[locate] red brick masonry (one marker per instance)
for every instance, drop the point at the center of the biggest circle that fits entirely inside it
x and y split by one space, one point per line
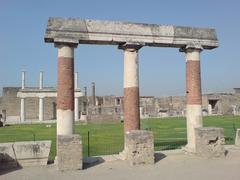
193 78
65 84
131 109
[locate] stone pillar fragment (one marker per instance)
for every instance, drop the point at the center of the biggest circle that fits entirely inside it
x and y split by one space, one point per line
131 87
237 138
193 94
70 155
22 110
93 94
210 142
76 80
140 147
41 109
209 109
65 89
41 80
76 108
76 99
23 79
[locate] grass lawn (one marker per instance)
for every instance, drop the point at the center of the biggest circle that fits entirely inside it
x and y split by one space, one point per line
107 138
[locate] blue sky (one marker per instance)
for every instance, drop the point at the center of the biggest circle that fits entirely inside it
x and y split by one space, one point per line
162 70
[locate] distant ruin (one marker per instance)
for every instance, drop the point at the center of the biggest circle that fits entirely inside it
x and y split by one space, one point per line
98 109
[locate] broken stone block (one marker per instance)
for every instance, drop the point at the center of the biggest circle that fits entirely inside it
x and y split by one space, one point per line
210 142
26 153
69 152
32 153
139 147
237 138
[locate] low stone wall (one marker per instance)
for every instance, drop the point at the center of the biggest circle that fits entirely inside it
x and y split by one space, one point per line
69 152
139 147
210 142
100 118
27 153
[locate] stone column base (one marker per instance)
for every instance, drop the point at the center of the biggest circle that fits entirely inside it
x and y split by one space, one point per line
139 147
69 152
188 150
237 138
210 142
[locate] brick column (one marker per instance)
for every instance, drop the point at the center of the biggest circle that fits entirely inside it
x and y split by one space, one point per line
193 95
131 87
65 89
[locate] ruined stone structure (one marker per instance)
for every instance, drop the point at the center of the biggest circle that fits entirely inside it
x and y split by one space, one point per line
22 104
210 142
25 153
66 34
72 159
110 108
140 147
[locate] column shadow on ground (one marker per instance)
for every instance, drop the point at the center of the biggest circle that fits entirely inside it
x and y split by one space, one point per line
92 161
159 156
8 164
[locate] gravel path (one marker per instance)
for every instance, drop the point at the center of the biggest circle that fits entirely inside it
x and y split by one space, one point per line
173 166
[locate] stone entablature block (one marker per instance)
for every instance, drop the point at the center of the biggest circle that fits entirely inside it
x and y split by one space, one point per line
85 31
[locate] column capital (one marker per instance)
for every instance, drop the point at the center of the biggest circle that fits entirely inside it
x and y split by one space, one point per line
69 44
191 47
131 46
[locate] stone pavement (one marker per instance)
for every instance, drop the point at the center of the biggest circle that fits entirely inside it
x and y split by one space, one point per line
169 166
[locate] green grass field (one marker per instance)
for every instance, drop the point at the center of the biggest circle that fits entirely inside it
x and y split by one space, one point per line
107 138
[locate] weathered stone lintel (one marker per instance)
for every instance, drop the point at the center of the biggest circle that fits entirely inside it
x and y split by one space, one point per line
75 31
42 94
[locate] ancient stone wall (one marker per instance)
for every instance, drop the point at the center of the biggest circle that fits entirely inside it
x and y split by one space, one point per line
111 107
11 103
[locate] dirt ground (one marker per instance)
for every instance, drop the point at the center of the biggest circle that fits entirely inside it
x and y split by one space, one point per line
169 166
